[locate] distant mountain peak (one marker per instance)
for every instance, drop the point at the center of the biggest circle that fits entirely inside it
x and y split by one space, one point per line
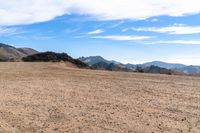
163 64
10 53
91 60
5 45
159 66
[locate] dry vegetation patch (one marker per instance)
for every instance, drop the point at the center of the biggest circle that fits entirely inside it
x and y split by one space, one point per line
58 97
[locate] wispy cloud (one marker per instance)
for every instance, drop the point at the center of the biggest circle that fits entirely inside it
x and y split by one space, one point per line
175 29
9 31
35 37
42 37
98 9
123 38
69 31
176 42
95 32
117 24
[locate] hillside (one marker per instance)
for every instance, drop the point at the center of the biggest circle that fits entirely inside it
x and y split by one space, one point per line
10 53
99 62
27 51
54 57
93 60
163 65
109 66
155 69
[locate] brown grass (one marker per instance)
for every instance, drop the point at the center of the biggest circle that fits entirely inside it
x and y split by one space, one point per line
53 97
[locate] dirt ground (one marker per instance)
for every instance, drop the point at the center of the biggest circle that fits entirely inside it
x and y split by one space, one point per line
55 97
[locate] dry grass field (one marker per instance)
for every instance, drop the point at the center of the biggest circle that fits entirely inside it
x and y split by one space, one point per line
58 97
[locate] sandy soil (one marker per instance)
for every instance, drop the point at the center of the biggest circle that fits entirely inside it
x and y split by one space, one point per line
53 97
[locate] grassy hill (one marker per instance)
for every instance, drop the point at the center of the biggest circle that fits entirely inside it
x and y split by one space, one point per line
54 57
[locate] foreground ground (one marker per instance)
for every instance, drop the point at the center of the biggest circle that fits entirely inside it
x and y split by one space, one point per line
55 97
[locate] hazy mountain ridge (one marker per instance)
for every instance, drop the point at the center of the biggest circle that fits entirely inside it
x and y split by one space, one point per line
109 66
91 60
161 67
191 70
10 53
156 69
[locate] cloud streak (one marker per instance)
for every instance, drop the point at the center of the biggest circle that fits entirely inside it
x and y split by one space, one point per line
99 31
173 30
123 38
33 11
177 42
7 31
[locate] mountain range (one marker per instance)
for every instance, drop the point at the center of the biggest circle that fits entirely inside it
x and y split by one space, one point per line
10 53
99 62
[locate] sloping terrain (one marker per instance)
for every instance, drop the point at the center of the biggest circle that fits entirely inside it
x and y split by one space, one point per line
191 70
93 60
8 52
55 97
54 57
163 65
109 66
27 51
149 67
155 69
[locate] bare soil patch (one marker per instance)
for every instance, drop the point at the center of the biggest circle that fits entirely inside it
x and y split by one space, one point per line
58 97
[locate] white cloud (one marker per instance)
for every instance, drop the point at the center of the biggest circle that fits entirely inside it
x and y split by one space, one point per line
117 24
123 38
95 32
7 31
16 12
154 20
177 42
175 29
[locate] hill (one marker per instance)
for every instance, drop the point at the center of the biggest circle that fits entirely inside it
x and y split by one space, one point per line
10 53
190 70
54 57
109 66
27 51
98 62
155 69
93 60
163 65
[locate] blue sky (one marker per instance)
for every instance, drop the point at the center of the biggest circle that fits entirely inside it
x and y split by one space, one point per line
170 36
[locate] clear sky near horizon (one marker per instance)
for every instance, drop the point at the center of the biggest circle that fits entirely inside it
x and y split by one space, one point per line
128 31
